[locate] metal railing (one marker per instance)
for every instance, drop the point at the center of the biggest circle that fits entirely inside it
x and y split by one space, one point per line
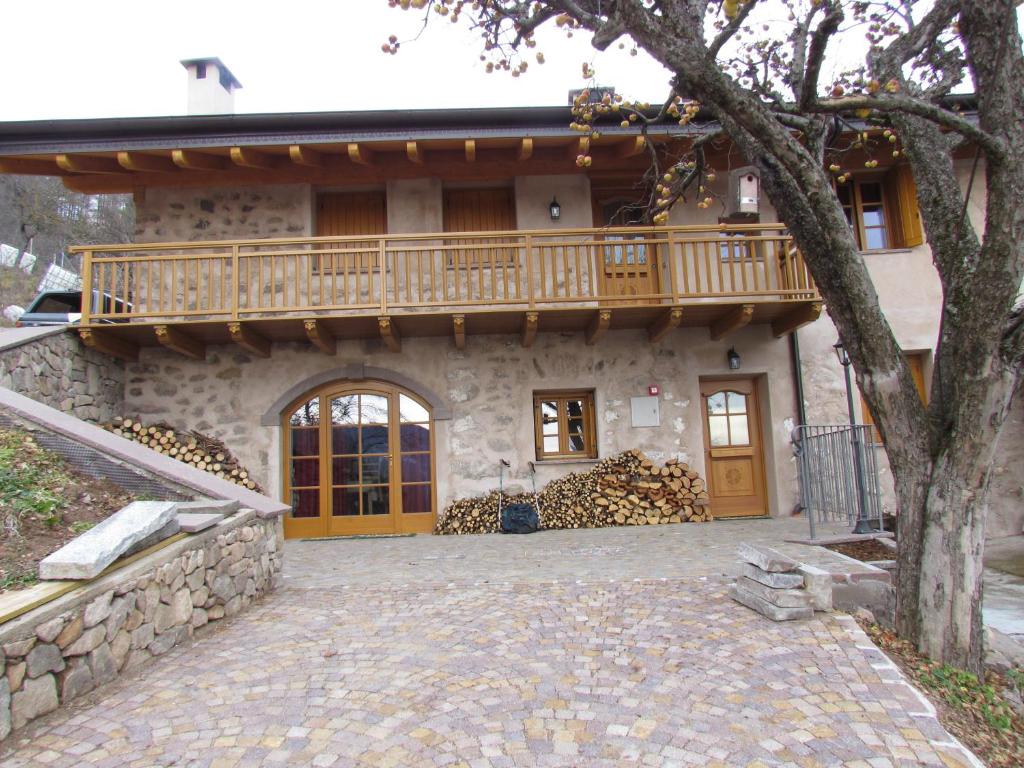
237 279
838 471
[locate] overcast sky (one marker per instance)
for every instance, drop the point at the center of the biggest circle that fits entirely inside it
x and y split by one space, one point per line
119 58
69 58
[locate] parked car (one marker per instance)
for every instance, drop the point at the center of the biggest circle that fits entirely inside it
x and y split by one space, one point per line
64 307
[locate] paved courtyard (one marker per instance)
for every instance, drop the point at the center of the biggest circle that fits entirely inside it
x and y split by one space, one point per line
572 648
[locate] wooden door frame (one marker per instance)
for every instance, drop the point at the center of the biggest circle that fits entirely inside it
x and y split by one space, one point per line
324 524
753 381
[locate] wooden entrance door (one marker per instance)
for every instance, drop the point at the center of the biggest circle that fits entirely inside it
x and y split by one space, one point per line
358 460
629 265
480 210
733 451
351 213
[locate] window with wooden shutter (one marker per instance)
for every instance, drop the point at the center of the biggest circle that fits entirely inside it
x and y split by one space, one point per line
915 360
346 214
882 209
480 210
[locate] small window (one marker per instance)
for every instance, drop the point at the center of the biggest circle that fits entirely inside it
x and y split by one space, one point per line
564 424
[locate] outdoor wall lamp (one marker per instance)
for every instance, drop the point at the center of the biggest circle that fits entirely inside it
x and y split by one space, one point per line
857 443
556 209
734 359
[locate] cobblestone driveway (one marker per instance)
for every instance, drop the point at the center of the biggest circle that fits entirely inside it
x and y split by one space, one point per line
377 653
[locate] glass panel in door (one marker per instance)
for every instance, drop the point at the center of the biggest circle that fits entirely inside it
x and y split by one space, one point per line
360 457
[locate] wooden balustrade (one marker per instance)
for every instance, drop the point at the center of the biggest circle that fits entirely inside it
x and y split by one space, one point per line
398 274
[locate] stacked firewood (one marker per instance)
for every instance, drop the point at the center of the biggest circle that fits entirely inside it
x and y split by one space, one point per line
191 447
628 489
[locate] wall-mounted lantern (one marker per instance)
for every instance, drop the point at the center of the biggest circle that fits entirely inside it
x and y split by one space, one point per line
734 359
556 209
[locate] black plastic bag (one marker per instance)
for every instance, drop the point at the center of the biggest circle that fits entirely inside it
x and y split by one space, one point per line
519 518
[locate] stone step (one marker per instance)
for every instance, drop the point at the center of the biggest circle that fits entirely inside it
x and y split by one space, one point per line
221 507
194 522
784 598
818 585
766 609
766 558
85 556
773 580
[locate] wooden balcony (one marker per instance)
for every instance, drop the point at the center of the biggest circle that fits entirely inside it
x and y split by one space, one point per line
254 292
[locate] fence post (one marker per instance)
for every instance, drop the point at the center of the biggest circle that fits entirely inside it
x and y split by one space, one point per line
87 303
236 279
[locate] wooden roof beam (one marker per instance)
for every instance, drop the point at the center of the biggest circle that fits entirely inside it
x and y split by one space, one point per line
579 147
84 164
246 157
389 333
459 331
598 326
180 342
633 146
249 340
470 150
802 315
30 166
525 149
321 337
412 151
358 153
305 156
197 161
731 321
660 327
138 163
530 322
103 342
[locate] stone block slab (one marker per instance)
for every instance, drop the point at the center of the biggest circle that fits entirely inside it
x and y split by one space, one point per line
194 522
222 507
774 580
766 558
784 598
85 556
766 609
154 538
818 585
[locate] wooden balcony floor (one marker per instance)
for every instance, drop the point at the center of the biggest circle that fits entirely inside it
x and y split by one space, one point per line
190 335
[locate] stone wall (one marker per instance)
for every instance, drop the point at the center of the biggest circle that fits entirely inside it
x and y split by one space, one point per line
488 389
232 213
120 622
52 365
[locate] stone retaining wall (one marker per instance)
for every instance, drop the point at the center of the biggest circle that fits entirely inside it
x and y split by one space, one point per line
52 366
120 622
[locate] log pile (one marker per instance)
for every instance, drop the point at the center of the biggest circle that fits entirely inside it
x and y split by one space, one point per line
191 447
628 489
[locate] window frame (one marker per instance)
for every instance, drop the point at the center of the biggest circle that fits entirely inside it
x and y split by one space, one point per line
561 398
857 207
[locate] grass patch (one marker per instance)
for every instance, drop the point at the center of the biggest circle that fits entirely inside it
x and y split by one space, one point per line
44 503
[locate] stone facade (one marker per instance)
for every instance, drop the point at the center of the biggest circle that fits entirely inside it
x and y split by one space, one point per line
488 389
52 365
120 622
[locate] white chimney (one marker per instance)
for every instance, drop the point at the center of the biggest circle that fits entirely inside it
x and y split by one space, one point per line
211 87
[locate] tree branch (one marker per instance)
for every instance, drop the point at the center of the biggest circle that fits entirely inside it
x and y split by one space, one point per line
730 29
816 55
993 146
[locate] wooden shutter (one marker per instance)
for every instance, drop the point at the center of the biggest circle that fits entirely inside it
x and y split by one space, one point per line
915 361
480 210
901 202
352 213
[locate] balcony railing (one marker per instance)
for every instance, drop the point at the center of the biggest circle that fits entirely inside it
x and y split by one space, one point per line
399 274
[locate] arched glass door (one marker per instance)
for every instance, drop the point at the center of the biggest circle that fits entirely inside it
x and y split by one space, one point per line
358 460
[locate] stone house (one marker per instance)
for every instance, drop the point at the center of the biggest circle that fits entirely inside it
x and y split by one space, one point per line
373 308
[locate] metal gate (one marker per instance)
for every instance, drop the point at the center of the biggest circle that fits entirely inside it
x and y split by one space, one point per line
838 470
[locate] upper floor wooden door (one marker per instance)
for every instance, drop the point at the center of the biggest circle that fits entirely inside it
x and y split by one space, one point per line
628 266
347 214
734 457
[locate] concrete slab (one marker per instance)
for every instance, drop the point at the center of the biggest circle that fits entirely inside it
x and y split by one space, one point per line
193 522
88 554
766 609
773 580
766 558
166 532
784 598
